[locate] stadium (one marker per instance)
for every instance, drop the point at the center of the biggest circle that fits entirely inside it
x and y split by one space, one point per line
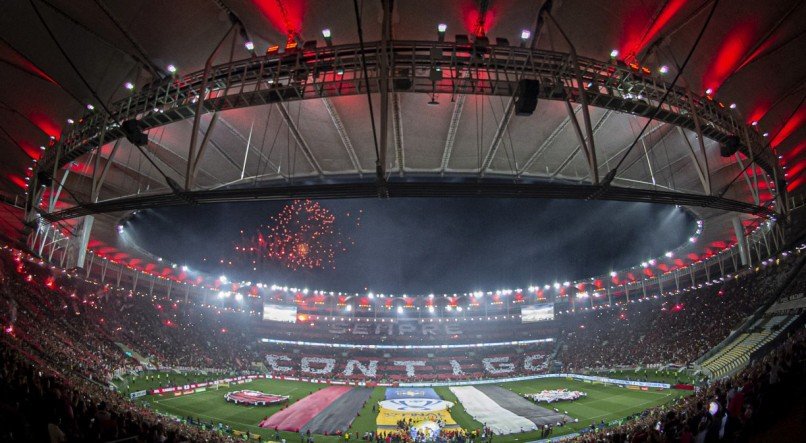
448 221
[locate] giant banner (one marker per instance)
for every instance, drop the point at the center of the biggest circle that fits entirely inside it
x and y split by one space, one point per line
280 364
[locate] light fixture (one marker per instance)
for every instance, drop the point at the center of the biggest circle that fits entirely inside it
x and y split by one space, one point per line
614 53
184 268
525 34
613 273
709 91
172 69
400 309
754 123
249 45
223 279
326 34
663 69
128 85
766 134
441 28
70 121
90 107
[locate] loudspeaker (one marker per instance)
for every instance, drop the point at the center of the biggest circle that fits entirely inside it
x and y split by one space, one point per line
134 132
730 146
43 178
526 101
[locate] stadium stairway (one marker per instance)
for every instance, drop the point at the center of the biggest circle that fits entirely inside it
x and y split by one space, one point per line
134 354
753 320
736 355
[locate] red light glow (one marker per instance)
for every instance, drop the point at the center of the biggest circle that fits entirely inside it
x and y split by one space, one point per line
729 55
634 39
285 16
789 127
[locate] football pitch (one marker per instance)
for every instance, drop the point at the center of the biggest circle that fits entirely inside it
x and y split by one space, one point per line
603 402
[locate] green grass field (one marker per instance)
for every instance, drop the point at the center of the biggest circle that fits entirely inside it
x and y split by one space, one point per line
671 377
158 379
602 403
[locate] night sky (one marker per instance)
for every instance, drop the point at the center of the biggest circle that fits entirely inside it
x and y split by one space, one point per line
418 246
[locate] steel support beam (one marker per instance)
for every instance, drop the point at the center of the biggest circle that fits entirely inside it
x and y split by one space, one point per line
98 182
468 188
453 128
503 124
582 144
201 98
590 146
342 131
698 167
397 133
301 143
701 141
549 140
196 161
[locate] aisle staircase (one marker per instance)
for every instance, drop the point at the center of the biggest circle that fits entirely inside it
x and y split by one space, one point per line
131 353
736 355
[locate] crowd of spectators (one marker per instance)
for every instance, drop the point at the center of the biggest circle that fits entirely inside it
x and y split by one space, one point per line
673 330
731 409
63 338
43 402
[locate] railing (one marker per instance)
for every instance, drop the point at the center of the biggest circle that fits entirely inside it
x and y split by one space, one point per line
426 67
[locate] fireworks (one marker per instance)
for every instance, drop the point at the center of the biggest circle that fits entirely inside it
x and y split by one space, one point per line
303 235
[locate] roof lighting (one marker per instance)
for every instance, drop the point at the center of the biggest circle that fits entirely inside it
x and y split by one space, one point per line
90 107
249 45
732 106
128 85
525 34
172 69
326 33
442 27
70 121
614 53
663 69
709 91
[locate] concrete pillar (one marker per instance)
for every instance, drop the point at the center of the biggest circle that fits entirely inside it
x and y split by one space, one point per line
79 242
738 230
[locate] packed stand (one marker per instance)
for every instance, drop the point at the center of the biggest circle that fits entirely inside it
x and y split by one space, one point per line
677 330
732 409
